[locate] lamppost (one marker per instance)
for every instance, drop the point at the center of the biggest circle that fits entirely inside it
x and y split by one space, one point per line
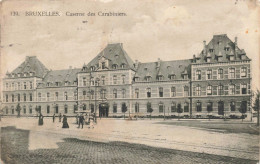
96 85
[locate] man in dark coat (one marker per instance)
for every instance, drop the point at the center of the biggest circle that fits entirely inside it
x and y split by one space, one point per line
40 119
65 122
81 120
53 117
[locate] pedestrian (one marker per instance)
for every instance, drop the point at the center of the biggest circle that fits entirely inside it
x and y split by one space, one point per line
40 122
60 117
65 122
81 121
53 117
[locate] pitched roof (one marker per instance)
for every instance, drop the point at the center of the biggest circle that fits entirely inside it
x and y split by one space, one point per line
115 54
165 69
31 65
216 49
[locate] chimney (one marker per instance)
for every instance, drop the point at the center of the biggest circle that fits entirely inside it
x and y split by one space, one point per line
136 64
204 46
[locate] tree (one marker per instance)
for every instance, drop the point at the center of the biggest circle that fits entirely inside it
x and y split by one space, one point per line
124 109
243 109
256 104
209 108
18 109
179 110
149 109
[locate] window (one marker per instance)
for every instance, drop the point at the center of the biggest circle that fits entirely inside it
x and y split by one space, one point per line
160 92
198 91
173 107
6 86
103 94
185 77
199 108
31 85
56 96
148 78
75 108
12 86
198 75
92 82
48 96
232 89
6 111
136 108
103 65
220 73
18 97
226 49
149 107
24 85
39 96
92 68
148 92
65 95
172 77
12 110
123 93
243 72
84 81
173 91
231 72
57 83
209 74
115 108
160 78
115 93
30 109
48 84
24 97
136 79
210 50
161 108
244 88
123 79
91 94
66 109
209 90
114 79
232 106
48 109
186 91
220 90
186 107
30 96
114 66
12 98
103 80
209 106
57 109
6 98
123 65
136 93
24 109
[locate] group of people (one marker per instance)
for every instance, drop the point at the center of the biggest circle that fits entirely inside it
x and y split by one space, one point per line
80 119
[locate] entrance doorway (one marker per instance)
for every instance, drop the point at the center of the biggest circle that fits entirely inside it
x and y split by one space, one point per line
220 108
103 110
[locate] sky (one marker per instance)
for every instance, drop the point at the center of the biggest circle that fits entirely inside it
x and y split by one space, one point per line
165 29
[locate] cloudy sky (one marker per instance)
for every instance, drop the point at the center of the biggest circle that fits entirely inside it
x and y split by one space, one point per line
166 29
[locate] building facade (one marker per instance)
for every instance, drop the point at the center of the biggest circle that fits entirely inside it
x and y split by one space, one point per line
216 82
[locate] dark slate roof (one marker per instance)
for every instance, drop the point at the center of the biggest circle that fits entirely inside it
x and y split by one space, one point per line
218 44
164 69
110 52
60 76
31 65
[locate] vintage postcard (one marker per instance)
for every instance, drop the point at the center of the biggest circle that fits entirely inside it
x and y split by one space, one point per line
129 81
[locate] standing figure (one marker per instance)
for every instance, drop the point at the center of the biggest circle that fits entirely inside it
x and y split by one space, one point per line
65 122
40 119
53 117
60 117
81 120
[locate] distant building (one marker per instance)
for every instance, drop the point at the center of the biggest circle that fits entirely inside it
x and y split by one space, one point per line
215 82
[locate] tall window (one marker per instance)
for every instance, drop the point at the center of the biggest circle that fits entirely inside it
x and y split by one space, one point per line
66 109
84 94
84 81
136 108
92 108
160 92
12 98
6 98
232 106
103 94
114 66
244 88
198 75
6 86
186 91
231 72
24 109
48 109
39 96
220 73
24 85
173 107
220 90
56 96
19 85
103 80
91 94
57 109
243 72
115 93
18 97
123 79
115 108
232 89
198 90
123 93
30 96
31 85
186 107
199 108
161 108
148 92
209 90
114 79
30 109
65 95
209 106
103 65
24 97
209 74
136 93
173 91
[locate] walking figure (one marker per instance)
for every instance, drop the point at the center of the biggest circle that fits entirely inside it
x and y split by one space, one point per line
53 117
81 121
40 119
60 117
65 122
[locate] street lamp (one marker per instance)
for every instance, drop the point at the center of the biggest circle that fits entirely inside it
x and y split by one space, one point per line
96 83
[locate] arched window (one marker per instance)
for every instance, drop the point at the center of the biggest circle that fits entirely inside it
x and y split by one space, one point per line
148 92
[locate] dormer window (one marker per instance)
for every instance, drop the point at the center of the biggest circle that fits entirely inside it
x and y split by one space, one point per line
208 60
66 83
226 49
123 65
145 69
185 77
137 79
148 78
231 58
160 78
211 50
114 66
103 65
57 83
92 68
48 84
116 56
19 74
172 77
24 74
243 57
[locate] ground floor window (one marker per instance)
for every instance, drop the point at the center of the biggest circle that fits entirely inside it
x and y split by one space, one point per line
24 109
136 108
75 108
173 107
160 108
57 109
232 106
115 108
92 108
6 110
30 110
186 107
65 109
209 106
199 108
48 109
12 111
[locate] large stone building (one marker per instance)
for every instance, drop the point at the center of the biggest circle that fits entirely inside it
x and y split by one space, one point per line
216 82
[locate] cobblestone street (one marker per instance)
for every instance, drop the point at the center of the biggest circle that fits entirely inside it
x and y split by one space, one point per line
29 143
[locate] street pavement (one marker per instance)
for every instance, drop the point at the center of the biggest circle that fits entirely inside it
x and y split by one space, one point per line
195 142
